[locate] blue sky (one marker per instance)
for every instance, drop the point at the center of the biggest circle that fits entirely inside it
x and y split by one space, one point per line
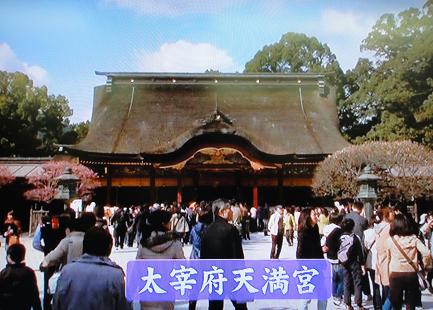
61 43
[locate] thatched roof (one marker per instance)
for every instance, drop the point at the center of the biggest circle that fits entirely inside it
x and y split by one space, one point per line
152 113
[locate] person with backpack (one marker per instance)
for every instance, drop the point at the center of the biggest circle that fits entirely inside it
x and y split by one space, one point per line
351 256
361 224
179 224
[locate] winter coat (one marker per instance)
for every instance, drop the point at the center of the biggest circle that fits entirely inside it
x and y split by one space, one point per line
69 249
195 238
91 283
309 243
221 240
370 248
382 264
333 243
411 245
18 288
160 245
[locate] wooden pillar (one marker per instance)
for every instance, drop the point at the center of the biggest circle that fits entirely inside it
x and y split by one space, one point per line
179 188
255 193
109 172
152 185
280 186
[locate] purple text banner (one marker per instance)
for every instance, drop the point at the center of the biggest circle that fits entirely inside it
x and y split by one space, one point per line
235 279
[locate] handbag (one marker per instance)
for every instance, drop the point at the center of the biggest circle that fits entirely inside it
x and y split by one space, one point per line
423 283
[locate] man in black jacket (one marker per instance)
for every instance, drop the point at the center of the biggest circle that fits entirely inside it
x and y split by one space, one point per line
18 287
361 223
222 241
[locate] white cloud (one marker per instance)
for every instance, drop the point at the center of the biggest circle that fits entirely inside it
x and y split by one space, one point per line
10 62
346 23
175 7
344 32
184 56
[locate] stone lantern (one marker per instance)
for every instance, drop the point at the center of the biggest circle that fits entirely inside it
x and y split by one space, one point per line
367 190
67 185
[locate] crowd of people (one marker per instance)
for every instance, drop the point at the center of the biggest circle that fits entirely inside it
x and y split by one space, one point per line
379 257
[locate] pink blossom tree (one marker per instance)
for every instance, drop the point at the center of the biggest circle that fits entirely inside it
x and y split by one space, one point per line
405 168
5 176
45 183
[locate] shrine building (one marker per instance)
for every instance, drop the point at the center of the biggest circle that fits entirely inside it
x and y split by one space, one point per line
164 137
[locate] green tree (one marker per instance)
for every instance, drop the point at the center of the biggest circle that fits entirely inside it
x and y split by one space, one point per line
392 99
296 52
357 119
74 133
31 120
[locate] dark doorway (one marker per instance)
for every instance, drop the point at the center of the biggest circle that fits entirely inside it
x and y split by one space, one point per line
209 193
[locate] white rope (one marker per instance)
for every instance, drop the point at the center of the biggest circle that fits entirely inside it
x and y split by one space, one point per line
132 100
